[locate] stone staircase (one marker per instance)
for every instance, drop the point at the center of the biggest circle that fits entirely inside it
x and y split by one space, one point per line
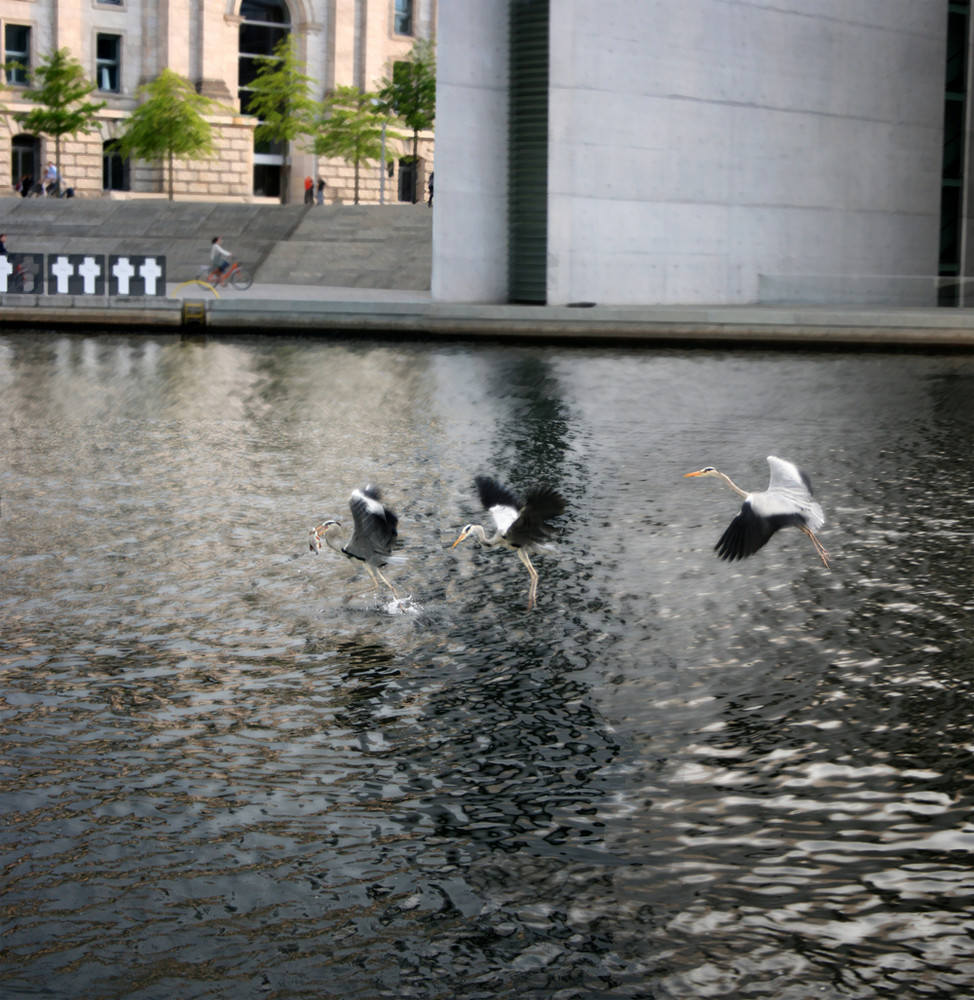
360 246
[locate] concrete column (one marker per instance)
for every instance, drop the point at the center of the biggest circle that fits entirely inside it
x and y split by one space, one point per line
470 218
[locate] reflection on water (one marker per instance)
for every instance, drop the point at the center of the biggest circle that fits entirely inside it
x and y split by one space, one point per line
676 778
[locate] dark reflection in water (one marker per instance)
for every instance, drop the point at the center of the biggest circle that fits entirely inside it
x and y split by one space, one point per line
229 774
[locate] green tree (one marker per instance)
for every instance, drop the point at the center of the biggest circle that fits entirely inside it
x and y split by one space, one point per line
280 97
59 89
411 92
351 127
169 123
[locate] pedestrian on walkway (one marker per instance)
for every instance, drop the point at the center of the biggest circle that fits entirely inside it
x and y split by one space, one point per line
309 196
321 191
50 180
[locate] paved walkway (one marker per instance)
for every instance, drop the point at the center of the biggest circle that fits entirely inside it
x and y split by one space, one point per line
309 309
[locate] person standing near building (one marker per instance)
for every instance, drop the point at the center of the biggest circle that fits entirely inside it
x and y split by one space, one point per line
50 180
321 191
309 195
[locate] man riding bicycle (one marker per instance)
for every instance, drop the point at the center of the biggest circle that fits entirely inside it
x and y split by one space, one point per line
220 258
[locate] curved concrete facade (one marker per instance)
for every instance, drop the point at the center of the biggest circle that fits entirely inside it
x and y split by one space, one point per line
698 149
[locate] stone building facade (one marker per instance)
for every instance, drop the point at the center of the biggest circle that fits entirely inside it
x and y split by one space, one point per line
123 44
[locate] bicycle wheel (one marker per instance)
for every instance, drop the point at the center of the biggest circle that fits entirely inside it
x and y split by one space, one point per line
204 275
241 279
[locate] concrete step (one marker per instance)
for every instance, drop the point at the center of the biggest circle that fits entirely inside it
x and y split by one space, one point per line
361 246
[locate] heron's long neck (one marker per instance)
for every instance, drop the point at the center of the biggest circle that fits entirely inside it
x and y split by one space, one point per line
333 538
730 482
496 539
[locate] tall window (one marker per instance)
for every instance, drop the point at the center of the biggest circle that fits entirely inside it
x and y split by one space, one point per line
108 59
16 49
265 23
25 158
114 169
403 20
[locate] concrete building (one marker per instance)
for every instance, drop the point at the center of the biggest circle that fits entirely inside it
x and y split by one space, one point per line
123 44
703 151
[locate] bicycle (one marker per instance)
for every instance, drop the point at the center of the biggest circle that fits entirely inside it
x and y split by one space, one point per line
236 275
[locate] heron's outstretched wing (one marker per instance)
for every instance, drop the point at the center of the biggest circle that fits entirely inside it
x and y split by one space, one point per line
375 529
503 504
790 489
531 525
750 531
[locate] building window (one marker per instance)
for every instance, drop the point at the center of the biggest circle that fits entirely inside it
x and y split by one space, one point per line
16 49
108 61
265 24
25 160
403 20
115 169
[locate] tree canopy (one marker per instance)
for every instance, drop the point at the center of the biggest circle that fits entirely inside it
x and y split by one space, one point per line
280 97
59 89
411 91
169 123
351 127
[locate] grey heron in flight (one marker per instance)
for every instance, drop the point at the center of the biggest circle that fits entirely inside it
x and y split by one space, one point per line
373 534
786 501
521 525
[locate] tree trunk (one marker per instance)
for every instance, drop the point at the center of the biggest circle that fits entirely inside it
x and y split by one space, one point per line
415 163
170 175
286 173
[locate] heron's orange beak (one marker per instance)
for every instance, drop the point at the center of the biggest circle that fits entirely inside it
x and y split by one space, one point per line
463 535
687 475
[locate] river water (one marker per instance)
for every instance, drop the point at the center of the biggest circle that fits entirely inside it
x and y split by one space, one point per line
231 772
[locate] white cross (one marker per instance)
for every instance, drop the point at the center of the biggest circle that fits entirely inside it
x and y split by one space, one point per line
62 269
150 272
123 270
89 270
6 269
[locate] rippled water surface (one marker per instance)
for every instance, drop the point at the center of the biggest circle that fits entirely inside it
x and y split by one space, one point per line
229 772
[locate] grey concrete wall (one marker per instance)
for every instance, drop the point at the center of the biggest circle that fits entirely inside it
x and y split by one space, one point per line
470 227
698 146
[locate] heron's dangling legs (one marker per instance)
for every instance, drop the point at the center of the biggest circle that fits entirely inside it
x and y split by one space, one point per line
533 591
375 573
819 547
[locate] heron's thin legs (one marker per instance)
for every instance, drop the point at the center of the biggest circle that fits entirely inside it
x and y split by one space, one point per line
819 547
533 590
376 573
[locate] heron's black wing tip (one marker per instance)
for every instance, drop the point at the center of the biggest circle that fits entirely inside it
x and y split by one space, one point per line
749 532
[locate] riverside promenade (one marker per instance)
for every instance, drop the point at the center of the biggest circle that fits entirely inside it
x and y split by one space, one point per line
364 271
342 311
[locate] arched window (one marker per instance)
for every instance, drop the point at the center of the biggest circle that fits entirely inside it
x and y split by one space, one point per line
25 160
265 23
114 169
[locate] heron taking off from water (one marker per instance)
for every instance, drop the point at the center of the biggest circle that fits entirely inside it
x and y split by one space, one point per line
373 534
786 501
521 525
